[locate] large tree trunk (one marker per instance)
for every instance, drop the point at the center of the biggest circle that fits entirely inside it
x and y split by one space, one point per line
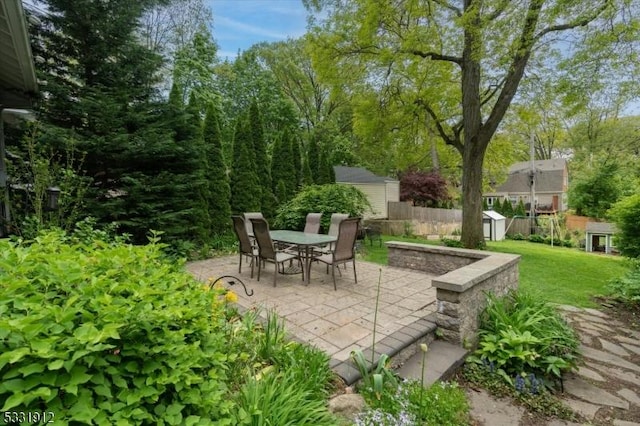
472 231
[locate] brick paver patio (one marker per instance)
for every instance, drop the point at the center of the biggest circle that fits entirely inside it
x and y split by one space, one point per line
335 321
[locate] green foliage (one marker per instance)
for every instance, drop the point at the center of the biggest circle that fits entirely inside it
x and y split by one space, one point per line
520 334
267 201
245 186
593 193
507 208
325 199
497 206
108 333
520 211
485 205
276 398
282 168
219 190
450 242
518 237
536 238
626 289
625 214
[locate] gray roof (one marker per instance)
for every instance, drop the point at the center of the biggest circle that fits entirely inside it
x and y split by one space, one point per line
358 175
549 176
601 228
17 72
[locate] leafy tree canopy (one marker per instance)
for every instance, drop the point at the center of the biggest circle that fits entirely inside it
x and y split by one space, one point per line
428 189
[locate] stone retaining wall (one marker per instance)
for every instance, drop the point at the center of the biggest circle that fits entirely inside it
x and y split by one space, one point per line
463 277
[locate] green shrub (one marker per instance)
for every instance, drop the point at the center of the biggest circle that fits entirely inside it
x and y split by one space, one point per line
625 214
518 236
108 333
536 238
325 199
626 289
449 242
521 334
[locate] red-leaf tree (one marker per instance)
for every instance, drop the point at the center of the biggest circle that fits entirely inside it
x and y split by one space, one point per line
427 189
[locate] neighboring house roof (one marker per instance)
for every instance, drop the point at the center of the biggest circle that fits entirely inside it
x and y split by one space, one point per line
549 176
600 228
17 72
358 175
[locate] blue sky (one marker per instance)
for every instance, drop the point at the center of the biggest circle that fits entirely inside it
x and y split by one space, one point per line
238 24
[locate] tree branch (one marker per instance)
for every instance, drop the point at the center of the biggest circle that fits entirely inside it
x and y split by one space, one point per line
498 11
453 141
580 21
432 55
449 6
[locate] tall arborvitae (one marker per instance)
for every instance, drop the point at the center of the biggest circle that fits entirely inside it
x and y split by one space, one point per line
326 174
199 184
100 82
246 191
313 158
219 191
297 160
282 166
307 178
267 201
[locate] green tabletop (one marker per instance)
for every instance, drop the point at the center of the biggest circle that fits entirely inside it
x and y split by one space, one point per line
300 238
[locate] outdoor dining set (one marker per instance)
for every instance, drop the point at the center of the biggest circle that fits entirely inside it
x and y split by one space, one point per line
259 244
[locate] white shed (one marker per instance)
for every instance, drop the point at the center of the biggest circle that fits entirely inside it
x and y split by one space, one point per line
494 225
380 190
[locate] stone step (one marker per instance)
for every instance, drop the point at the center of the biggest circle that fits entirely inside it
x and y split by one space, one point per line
442 360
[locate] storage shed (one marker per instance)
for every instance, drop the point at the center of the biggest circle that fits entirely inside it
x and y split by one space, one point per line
380 190
494 225
599 237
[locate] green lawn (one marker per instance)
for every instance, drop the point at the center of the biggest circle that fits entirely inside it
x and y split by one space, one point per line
558 274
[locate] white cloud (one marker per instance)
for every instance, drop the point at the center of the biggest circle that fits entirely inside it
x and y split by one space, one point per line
222 22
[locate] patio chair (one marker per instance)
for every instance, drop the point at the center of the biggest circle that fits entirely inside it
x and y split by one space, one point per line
336 219
312 225
267 250
344 250
247 221
246 247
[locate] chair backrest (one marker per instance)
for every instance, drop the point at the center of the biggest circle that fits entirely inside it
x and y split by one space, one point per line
312 224
265 243
334 227
247 220
241 232
347 233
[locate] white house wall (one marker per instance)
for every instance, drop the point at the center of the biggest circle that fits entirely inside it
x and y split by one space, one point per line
375 193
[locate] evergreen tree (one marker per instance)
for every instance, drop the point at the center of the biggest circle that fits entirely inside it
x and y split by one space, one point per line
99 83
282 166
199 184
485 204
326 174
307 178
246 191
281 192
497 206
507 208
297 161
313 159
267 201
219 191
520 210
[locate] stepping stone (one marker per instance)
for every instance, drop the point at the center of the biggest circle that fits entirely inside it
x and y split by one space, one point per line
632 333
589 326
608 358
586 339
632 348
617 422
569 308
596 312
584 408
591 318
618 374
613 348
590 374
490 411
557 422
628 340
630 396
579 388
594 333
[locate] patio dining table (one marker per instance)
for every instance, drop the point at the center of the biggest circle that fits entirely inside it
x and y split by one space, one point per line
305 243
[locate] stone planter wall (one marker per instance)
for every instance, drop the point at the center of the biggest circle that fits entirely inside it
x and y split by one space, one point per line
463 277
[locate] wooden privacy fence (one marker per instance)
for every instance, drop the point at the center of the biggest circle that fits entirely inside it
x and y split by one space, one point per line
404 211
